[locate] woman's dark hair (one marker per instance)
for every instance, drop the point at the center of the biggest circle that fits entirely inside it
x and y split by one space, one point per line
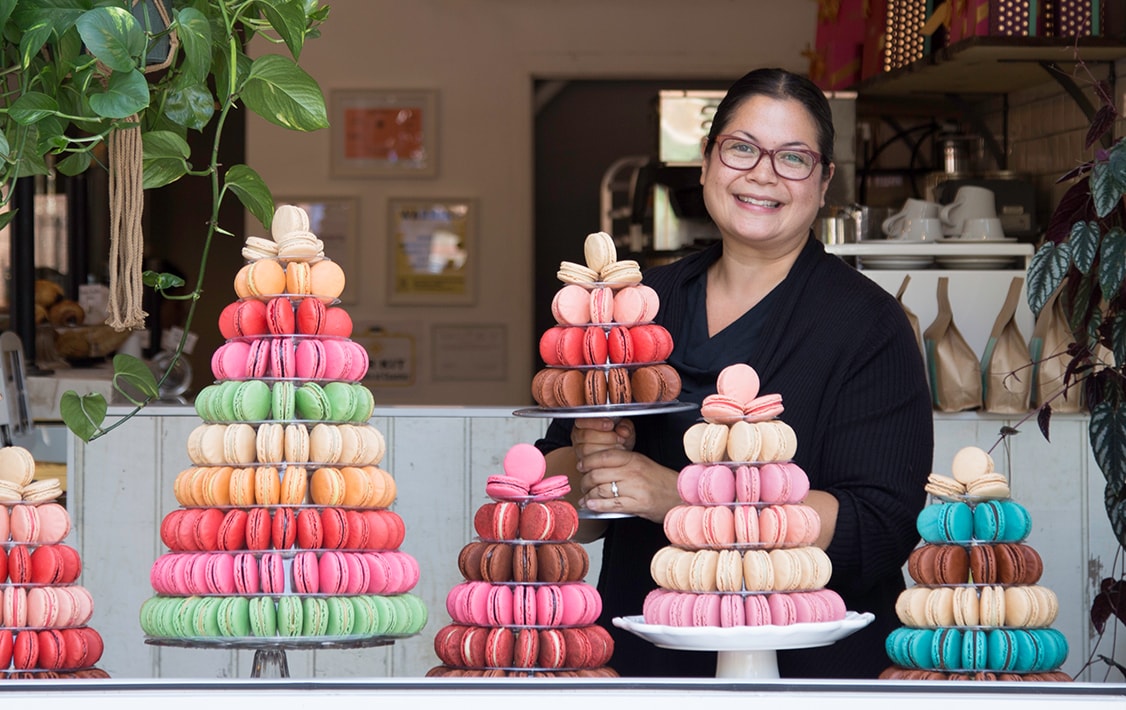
778 84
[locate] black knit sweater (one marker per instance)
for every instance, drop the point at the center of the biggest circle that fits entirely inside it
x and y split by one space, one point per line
840 351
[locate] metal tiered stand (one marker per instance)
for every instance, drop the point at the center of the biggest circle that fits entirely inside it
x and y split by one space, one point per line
270 659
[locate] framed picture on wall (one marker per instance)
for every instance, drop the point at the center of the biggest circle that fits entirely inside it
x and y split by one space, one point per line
335 221
382 133
433 251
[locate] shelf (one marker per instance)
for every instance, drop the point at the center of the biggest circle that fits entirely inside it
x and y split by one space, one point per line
989 65
946 247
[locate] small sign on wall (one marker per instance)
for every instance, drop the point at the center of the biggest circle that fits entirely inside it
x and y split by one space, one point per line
392 358
469 353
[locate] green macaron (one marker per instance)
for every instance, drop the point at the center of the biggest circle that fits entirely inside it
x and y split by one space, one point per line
365 406
312 403
263 617
290 616
204 401
416 610
341 616
386 613
207 616
364 616
183 622
281 407
223 403
251 402
234 616
315 611
150 616
342 401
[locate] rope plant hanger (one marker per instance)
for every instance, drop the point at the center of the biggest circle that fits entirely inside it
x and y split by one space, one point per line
127 205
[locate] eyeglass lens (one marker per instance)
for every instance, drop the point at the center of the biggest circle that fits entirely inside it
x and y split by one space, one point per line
743 155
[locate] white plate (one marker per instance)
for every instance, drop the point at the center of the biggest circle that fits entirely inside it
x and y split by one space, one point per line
745 638
895 261
971 261
959 240
585 514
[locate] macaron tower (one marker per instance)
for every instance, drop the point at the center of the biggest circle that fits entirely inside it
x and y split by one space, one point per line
285 532
741 551
44 612
605 349
975 611
524 609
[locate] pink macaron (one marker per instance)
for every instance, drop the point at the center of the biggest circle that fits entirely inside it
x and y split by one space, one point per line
258 359
739 381
601 305
748 484
309 359
582 605
721 409
635 305
229 360
359 363
763 408
282 355
337 356
571 305
550 488
716 485
525 462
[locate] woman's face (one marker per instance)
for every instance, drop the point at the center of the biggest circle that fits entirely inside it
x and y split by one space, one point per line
756 206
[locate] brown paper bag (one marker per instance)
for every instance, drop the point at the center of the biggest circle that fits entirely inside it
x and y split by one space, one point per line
1006 364
911 317
1051 337
952 366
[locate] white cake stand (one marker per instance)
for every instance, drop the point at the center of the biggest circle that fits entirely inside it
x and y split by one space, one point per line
745 652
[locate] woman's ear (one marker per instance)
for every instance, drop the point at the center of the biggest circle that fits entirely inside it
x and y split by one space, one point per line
830 171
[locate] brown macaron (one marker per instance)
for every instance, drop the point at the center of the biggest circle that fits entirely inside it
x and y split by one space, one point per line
496 562
569 388
543 387
596 388
525 564
618 386
1018 564
939 564
655 383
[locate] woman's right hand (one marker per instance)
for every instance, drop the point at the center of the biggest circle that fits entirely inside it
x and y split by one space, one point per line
598 434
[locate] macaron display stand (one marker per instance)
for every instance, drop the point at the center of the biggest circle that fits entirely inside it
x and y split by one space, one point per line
976 610
606 356
44 611
524 609
741 575
284 538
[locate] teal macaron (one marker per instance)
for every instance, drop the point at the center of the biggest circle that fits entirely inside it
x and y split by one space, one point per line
1001 521
1041 650
946 649
1002 650
974 650
290 616
911 648
946 522
263 615
251 402
312 403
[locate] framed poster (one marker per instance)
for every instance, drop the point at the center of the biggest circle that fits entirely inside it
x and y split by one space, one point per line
335 221
377 133
432 251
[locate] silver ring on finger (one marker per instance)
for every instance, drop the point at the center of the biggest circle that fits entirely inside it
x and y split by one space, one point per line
614 488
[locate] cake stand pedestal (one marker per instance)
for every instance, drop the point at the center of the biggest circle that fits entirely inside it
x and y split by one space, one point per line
745 652
270 659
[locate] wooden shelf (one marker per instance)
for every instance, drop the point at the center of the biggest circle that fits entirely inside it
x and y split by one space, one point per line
990 65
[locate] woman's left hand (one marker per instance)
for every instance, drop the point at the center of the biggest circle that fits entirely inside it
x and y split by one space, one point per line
620 481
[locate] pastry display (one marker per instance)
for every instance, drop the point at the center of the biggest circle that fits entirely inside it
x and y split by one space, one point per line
285 532
976 610
524 609
742 542
44 611
605 349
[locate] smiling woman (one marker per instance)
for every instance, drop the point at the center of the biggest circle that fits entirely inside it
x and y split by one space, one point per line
834 344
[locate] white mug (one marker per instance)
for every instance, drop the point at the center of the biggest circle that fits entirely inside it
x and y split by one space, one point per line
970 202
912 208
982 229
921 229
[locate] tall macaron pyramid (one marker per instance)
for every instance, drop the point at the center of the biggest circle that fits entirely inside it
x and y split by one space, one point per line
523 609
976 610
285 531
605 347
741 550
44 611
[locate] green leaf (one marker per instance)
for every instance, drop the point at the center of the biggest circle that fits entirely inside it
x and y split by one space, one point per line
1045 273
32 41
83 415
6 217
1112 262
75 163
1084 240
164 157
1118 337
284 94
133 371
1107 431
1106 190
251 190
31 107
195 39
114 36
162 281
190 105
126 93
287 17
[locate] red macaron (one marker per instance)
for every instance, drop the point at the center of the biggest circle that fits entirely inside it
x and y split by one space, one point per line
334 524
283 531
280 318
619 345
311 316
259 528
